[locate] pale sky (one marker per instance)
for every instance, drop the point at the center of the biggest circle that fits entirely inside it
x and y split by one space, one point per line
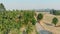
31 4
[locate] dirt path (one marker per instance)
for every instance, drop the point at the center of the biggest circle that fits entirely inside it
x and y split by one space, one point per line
41 30
39 27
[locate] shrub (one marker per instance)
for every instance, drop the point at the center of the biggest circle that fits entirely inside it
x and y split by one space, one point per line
40 16
55 21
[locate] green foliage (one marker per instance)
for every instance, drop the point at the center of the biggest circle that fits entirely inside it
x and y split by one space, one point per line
40 16
55 12
55 21
15 20
33 21
29 29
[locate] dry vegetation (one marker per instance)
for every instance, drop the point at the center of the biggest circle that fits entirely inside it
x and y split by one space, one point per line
46 23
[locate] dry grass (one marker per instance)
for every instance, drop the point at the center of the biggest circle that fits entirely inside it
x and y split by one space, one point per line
47 20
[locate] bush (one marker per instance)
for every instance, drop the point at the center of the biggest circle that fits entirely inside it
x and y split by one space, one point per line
40 16
33 21
55 21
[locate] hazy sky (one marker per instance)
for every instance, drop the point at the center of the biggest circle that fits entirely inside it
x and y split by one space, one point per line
31 4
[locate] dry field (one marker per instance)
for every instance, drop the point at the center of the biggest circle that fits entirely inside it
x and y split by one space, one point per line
46 23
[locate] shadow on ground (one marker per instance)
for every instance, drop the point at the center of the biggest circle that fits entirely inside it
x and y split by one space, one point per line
48 24
45 32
